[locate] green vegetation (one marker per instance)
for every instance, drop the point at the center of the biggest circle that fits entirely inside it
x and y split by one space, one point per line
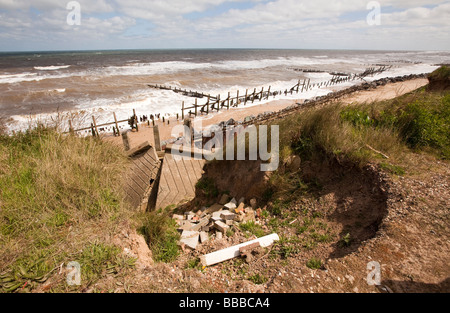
314 264
208 187
252 228
258 279
160 233
58 195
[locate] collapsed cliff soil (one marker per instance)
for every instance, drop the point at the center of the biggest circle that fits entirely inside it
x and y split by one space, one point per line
347 218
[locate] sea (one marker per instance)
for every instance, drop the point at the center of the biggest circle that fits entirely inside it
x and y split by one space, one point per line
48 86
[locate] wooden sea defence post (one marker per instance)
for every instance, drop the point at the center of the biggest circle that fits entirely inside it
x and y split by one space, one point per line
182 110
157 138
126 142
246 96
71 130
116 131
195 107
94 127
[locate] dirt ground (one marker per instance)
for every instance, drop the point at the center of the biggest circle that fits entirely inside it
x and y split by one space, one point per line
399 222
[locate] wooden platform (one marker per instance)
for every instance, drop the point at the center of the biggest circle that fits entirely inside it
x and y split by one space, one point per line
177 181
141 177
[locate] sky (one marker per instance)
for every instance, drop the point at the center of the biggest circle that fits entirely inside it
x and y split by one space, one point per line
42 25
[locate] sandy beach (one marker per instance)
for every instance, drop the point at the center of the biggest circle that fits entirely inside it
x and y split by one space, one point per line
145 132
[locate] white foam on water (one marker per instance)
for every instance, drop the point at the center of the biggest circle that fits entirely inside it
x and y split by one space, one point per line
51 68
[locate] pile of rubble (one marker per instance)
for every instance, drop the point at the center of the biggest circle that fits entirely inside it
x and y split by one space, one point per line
214 221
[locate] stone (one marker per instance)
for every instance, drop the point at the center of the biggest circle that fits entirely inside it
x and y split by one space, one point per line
214 208
224 199
219 235
249 215
185 225
241 200
221 226
189 215
190 238
230 206
253 203
178 217
202 223
204 237
227 215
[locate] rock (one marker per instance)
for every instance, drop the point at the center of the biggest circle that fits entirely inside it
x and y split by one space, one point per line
241 200
178 217
185 225
214 208
227 216
249 215
230 205
204 237
189 215
219 235
253 203
240 208
221 226
190 238
224 199
203 222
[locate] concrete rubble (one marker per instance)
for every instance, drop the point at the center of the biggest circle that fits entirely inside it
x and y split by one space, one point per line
200 225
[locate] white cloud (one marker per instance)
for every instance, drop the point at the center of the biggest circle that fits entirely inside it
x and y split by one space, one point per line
286 22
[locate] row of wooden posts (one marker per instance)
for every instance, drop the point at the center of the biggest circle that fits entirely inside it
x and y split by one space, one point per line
215 103
94 128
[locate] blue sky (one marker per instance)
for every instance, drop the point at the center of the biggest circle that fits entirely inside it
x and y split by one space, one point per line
165 24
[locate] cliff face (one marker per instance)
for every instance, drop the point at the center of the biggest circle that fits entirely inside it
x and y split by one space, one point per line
440 79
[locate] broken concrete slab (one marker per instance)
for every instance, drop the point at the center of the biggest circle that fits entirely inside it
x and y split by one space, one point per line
203 222
249 247
240 208
219 235
221 226
178 217
232 252
184 225
204 237
190 238
214 208
230 206
227 215
189 215
249 215
224 199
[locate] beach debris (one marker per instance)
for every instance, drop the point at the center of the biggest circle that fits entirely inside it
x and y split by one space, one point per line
190 238
234 251
213 221
224 199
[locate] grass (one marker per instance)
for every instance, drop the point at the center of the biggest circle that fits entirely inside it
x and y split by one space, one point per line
58 195
208 187
252 228
314 264
160 233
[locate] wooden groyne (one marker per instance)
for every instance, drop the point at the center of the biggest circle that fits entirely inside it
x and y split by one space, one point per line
214 103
